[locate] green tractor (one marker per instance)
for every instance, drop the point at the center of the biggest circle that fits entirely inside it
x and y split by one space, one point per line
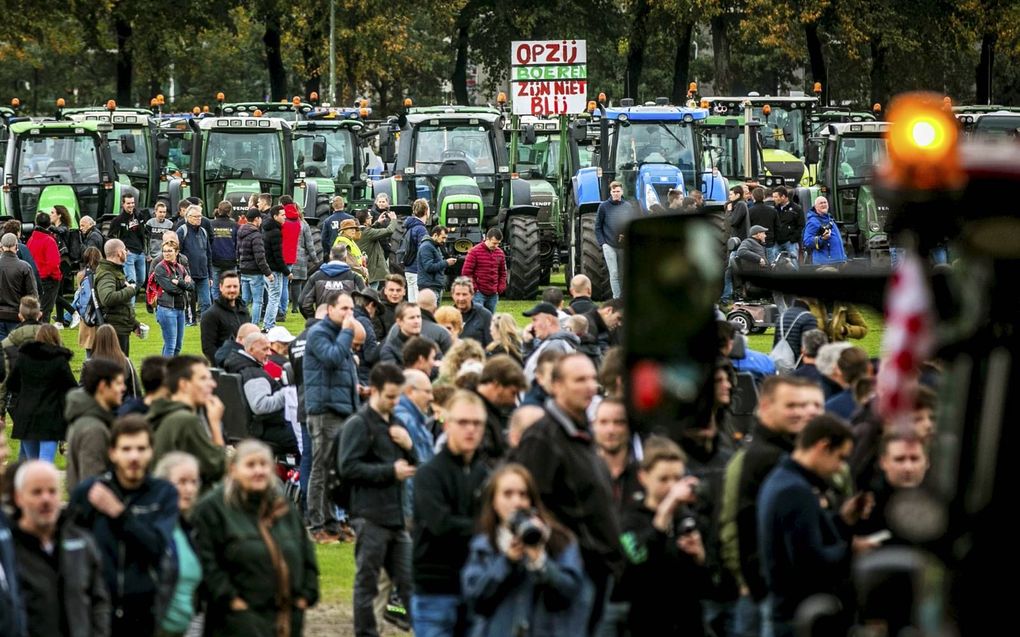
292 111
175 131
731 144
7 117
847 155
66 163
343 168
456 158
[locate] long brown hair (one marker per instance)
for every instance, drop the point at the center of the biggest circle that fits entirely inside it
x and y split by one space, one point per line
64 214
488 520
107 346
48 334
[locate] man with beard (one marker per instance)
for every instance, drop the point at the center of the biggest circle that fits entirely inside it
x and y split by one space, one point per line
225 316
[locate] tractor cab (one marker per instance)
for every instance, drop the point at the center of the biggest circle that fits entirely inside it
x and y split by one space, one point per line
233 158
848 155
996 125
7 117
66 163
726 146
290 111
137 156
331 149
967 116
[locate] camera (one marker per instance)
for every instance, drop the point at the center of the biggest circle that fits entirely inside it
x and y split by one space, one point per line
687 526
825 228
523 526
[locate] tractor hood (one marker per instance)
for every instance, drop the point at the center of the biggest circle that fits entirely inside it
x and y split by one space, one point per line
654 181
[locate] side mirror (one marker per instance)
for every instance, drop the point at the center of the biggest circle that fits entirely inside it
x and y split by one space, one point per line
528 136
163 149
578 131
811 153
732 129
386 150
788 133
127 144
319 151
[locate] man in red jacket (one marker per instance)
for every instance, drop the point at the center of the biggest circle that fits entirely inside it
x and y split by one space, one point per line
485 264
291 237
46 254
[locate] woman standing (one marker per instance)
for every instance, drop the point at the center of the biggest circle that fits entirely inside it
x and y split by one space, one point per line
60 228
173 279
107 345
89 262
181 470
39 384
506 338
305 264
518 582
259 565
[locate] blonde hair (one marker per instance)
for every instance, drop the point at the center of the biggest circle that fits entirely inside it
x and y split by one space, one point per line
461 352
507 335
451 315
232 493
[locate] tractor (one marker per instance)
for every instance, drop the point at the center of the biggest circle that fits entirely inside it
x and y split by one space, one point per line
292 111
59 162
847 155
137 155
651 149
996 124
456 158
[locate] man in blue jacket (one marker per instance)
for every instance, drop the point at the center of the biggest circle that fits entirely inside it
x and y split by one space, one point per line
805 547
610 221
822 240
132 516
331 224
431 263
414 228
196 245
331 396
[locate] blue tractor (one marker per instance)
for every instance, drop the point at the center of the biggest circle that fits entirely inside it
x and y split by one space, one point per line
651 149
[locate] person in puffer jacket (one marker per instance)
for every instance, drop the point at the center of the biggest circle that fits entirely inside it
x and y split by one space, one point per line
485 265
252 264
431 262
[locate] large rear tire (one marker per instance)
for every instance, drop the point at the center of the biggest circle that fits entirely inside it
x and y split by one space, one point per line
525 263
593 264
317 242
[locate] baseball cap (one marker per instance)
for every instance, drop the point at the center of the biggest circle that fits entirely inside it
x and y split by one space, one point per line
280 334
542 308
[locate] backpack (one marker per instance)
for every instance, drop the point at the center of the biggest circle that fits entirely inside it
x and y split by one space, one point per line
152 289
86 303
338 490
407 253
782 353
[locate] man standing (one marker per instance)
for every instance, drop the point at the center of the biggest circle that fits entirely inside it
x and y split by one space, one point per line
266 397
580 294
611 432
822 240
572 480
431 263
129 227
789 224
331 396
155 228
12 613
498 387
429 303
16 281
376 457
59 565
408 325
91 237
805 550
177 423
414 230
46 255
394 290
477 319
764 214
446 505
610 220
331 224
373 242
224 317
544 334
89 412
334 276
485 265
252 264
196 245
132 516
116 293
272 235
224 243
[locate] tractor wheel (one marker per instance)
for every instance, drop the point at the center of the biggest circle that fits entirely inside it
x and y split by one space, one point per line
395 240
317 243
742 320
592 263
525 266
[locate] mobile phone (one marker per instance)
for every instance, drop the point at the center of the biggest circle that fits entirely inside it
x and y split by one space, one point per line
880 537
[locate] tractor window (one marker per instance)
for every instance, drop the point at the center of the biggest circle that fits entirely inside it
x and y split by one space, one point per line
543 155
434 145
244 156
779 119
726 154
339 153
648 142
136 163
857 159
57 160
997 126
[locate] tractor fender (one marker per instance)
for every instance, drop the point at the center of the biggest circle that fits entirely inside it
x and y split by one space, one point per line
311 196
586 186
802 197
515 211
714 186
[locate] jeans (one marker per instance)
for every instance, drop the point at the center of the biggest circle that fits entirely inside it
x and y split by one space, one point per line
39 450
412 286
171 324
376 548
771 252
251 294
281 308
727 290
294 289
214 274
6 327
273 306
202 291
488 301
748 617
793 248
436 615
613 256
134 269
321 428
718 616
305 468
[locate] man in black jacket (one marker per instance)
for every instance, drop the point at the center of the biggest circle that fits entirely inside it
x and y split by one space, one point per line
221 321
572 480
476 318
762 213
789 224
265 395
502 380
580 295
129 227
334 276
252 264
445 506
376 456
60 588
16 281
91 237
272 236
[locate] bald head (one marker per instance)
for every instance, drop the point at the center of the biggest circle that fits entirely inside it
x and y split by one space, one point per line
580 285
246 330
522 418
427 300
418 388
115 251
257 346
37 495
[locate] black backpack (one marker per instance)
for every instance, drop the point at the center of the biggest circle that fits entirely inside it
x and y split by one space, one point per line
408 250
338 490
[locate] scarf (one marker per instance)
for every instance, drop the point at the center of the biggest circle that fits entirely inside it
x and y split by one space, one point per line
268 514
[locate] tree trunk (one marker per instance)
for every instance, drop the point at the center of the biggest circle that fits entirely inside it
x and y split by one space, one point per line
274 57
682 63
985 68
721 55
459 77
819 73
125 65
636 49
879 72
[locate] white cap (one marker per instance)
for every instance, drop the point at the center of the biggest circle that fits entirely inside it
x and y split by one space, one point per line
280 334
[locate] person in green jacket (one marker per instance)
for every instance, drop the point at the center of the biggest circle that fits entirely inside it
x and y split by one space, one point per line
176 422
117 296
372 241
259 565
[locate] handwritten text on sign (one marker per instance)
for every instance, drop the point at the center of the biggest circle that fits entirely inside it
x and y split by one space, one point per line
549 77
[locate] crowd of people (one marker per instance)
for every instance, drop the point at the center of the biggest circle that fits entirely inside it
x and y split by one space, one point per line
488 476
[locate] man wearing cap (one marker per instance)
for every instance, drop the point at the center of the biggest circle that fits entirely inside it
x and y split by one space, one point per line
350 232
751 253
543 334
280 339
334 276
227 313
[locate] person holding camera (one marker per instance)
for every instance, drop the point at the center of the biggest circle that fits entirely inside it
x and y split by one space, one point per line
822 241
524 574
665 575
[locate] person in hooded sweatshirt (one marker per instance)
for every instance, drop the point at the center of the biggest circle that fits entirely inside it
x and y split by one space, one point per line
333 276
252 264
415 229
39 383
291 238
